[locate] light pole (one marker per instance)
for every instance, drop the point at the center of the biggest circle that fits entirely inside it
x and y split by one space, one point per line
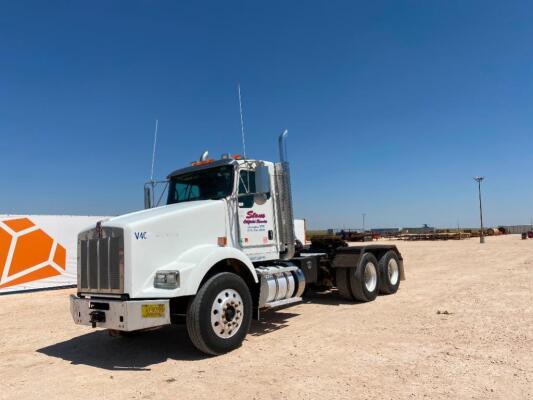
363 221
478 179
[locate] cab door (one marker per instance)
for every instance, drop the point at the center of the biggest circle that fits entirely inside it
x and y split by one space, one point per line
256 219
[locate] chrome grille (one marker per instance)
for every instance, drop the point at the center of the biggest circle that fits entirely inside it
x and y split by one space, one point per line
101 261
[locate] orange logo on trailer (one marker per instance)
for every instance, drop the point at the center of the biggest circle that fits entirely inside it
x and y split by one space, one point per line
28 253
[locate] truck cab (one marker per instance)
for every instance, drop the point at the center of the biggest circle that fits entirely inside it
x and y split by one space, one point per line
234 181
219 250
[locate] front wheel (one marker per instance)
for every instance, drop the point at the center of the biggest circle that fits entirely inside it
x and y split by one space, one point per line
219 316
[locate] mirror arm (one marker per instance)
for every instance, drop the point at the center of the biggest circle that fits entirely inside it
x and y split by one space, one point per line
147 197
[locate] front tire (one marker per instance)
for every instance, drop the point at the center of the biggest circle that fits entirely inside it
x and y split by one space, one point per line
219 316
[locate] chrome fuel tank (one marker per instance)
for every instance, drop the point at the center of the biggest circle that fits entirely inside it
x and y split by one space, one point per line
280 284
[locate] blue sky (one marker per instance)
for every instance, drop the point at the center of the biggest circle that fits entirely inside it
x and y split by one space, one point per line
392 107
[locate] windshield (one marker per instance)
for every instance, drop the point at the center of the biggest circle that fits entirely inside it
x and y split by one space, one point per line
209 184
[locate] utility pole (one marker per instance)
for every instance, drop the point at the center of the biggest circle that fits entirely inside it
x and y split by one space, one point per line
363 221
479 179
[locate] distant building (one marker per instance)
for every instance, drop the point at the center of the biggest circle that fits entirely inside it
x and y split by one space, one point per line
423 229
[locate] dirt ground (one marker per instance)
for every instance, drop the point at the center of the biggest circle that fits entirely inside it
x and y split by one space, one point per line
397 347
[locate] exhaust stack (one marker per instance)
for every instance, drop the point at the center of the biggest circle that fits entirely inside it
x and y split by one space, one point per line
283 146
284 201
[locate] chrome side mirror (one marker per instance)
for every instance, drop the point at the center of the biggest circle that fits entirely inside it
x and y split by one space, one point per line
262 180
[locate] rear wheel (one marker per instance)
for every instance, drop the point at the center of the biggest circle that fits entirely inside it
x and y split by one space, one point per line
361 282
389 270
219 316
364 281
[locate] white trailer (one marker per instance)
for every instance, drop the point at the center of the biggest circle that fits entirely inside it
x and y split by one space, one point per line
222 249
300 231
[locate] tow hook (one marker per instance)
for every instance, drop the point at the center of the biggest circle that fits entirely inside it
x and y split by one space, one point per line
97 316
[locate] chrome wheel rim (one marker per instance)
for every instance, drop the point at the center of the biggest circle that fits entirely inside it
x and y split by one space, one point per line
370 276
394 271
227 313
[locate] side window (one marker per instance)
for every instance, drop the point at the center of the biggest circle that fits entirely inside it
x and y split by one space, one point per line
246 185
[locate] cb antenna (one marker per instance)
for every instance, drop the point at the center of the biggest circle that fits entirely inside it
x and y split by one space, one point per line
152 182
242 121
153 152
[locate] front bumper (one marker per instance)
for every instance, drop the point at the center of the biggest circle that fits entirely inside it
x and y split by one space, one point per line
120 315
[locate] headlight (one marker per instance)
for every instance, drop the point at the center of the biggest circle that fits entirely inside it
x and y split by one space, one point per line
167 279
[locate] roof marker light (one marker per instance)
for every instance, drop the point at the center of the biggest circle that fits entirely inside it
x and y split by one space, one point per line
204 162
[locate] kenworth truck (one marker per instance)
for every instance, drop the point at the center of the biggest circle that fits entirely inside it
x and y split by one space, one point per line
218 253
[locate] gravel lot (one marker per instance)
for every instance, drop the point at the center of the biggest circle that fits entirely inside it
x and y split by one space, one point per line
461 327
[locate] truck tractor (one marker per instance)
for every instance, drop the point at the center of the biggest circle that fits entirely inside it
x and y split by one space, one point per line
220 252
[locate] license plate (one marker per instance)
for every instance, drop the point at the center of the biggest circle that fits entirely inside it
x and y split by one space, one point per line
152 310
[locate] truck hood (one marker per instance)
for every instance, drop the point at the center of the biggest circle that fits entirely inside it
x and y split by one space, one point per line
153 214
156 239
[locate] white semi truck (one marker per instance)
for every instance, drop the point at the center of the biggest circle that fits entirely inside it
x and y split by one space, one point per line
219 252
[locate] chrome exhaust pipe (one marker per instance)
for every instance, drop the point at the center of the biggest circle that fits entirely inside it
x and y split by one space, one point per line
284 201
283 146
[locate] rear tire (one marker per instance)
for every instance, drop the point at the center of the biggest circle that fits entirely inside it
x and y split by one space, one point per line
343 287
360 283
389 271
219 316
364 279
